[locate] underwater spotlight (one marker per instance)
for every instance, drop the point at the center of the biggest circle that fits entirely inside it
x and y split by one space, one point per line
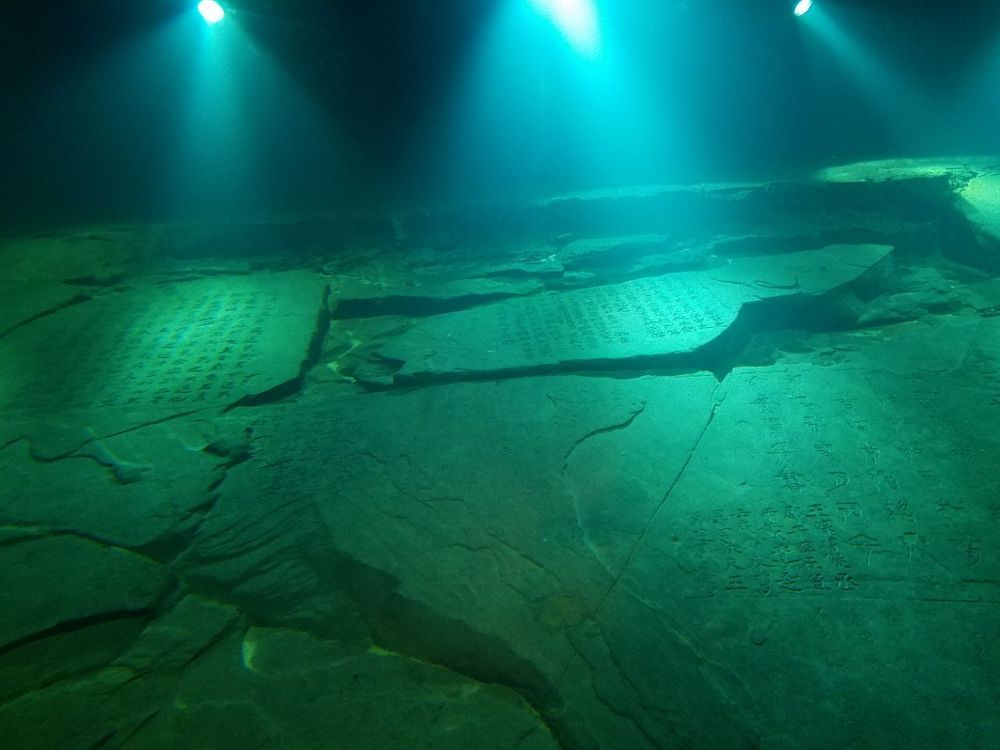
211 11
802 7
577 20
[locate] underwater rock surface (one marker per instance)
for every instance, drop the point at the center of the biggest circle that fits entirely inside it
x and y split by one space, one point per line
395 520
609 325
983 196
162 347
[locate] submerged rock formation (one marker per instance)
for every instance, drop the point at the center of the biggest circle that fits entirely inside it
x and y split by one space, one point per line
704 467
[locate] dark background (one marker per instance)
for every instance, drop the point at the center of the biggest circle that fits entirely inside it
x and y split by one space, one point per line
88 136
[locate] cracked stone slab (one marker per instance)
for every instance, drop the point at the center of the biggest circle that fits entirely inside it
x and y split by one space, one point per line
273 557
69 654
146 488
981 201
287 688
629 256
929 347
144 660
81 579
96 255
655 681
24 301
647 318
917 293
200 677
526 555
322 447
359 298
830 520
359 526
165 348
888 170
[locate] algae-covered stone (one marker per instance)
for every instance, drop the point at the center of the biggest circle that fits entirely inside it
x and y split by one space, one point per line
138 489
24 301
179 636
604 326
60 579
982 202
359 299
284 687
165 348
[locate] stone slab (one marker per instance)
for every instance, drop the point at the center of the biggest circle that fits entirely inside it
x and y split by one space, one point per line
62 578
919 292
23 301
483 571
360 298
886 170
982 203
830 523
609 254
283 688
273 557
650 562
63 656
144 488
96 255
179 636
651 317
199 677
611 259
631 556
827 523
164 348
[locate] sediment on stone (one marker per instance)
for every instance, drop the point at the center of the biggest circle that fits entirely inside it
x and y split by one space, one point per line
697 468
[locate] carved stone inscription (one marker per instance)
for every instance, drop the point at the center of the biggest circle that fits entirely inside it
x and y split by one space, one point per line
779 548
881 540
648 314
650 317
189 345
840 482
194 352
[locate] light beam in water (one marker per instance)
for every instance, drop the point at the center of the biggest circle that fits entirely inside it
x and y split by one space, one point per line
211 11
577 20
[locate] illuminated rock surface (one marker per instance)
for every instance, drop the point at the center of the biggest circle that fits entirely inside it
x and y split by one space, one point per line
608 325
983 196
773 526
150 351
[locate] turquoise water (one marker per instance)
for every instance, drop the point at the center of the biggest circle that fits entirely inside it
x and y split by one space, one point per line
483 376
